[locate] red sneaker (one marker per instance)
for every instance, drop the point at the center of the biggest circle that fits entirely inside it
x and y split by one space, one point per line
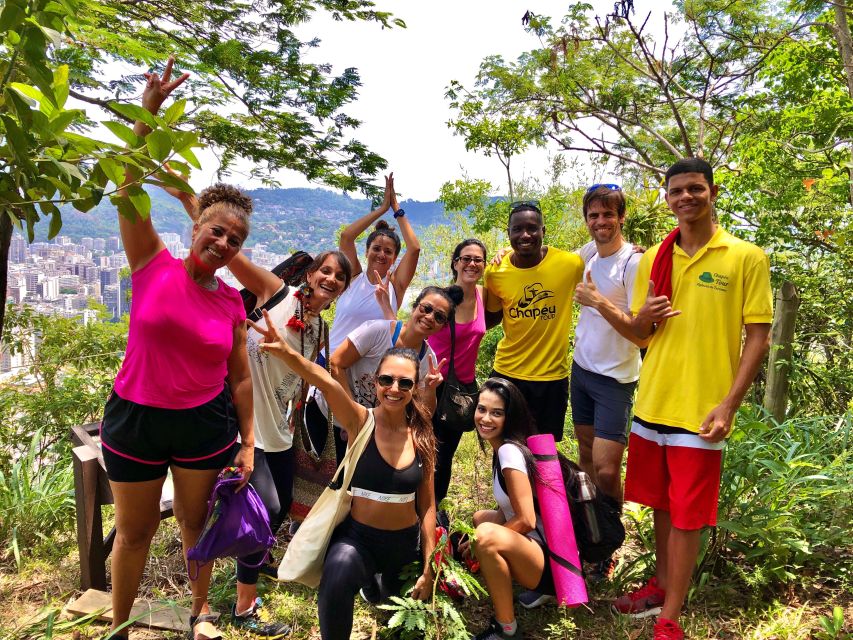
645 601
668 630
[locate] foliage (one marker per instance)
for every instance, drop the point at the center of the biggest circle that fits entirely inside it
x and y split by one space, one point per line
36 499
785 499
438 618
67 383
832 626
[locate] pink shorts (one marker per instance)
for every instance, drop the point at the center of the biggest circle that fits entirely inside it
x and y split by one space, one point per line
674 470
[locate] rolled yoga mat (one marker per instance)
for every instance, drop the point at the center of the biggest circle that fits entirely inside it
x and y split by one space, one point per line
557 521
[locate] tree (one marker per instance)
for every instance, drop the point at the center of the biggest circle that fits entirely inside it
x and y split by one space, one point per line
288 113
760 89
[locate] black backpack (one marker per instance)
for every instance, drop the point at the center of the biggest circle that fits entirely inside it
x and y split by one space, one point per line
291 271
597 520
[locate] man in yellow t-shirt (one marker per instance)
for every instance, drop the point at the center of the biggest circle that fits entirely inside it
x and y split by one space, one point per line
530 291
695 294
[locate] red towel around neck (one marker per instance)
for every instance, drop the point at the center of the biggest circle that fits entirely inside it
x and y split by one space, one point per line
662 266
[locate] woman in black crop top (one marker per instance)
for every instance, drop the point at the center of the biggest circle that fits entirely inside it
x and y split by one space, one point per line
393 506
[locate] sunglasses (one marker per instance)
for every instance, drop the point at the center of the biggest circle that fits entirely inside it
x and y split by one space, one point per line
524 204
403 384
470 259
607 185
426 309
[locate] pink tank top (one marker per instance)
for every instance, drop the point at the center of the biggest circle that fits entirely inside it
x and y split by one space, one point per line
468 337
180 337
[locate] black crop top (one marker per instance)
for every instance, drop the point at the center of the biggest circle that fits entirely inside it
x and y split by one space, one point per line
374 474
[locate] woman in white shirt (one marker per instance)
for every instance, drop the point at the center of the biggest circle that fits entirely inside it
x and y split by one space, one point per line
508 541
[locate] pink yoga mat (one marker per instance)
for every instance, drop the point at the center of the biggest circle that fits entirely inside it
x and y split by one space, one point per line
557 520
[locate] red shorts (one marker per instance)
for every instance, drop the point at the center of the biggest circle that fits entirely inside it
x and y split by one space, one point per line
673 470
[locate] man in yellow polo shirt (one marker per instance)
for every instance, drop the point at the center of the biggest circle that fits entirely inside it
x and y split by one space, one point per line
531 291
696 294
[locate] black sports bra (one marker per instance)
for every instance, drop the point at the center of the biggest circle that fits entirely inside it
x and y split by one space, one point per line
377 480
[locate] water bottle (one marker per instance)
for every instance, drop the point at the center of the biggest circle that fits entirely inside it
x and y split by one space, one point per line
586 495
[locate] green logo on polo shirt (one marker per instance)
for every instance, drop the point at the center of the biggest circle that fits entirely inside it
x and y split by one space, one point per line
707 277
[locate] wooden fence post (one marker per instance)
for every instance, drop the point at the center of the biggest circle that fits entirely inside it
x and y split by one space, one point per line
781 345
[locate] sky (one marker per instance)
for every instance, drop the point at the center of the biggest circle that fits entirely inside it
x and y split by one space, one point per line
405 73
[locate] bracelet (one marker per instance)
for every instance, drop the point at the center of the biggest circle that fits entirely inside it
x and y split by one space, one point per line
399 213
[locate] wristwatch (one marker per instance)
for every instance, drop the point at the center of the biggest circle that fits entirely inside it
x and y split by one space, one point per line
399 213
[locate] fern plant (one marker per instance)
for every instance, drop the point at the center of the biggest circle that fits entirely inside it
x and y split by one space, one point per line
438 619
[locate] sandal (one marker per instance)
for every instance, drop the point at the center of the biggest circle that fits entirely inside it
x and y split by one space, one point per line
199 619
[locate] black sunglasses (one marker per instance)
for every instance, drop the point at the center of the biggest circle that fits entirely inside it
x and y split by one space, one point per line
426 309
607 185
403 384
470 259
524 204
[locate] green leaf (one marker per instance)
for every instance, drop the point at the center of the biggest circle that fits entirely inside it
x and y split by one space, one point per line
134 112
113 170
32 95
13 14
188 155
22 106
173 181
55 223
60 84
175 111
159 144
59 123
122 132
140 200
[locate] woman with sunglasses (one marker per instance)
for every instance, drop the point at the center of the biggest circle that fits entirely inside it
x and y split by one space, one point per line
393 509
467 263
509 543
354 362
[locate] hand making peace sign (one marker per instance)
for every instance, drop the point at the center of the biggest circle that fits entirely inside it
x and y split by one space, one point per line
434 377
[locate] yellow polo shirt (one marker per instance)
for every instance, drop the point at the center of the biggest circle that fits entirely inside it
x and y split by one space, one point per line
692 360
537 314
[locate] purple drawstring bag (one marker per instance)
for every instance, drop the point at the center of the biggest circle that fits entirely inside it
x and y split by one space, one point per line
237 524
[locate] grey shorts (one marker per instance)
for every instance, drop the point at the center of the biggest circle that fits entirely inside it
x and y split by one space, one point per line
602 402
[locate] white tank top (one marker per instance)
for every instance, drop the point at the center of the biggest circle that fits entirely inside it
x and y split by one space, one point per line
356 306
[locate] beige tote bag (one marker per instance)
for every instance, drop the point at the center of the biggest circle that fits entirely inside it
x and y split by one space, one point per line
303 560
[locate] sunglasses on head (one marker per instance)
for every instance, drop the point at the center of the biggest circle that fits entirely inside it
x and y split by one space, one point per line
439 316
470 259
403 384
607 185
524 204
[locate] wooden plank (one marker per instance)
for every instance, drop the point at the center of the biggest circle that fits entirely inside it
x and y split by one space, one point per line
90 533
154 615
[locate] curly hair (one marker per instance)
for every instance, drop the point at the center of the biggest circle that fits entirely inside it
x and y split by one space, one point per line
224 198
418 416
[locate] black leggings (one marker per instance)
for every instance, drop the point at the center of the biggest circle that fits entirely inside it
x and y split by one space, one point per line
273 480
356 553
447 441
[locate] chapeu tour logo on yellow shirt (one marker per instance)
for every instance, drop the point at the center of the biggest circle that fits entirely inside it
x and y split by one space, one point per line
529 306
715 281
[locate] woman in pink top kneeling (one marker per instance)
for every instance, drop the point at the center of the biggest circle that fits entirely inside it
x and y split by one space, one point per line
467 264
184 390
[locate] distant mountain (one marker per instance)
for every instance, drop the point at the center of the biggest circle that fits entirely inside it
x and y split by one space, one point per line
284 219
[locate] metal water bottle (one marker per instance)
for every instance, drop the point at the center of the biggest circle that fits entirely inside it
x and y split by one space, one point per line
586 495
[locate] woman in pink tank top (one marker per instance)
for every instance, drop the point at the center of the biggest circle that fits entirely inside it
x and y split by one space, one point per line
184 389
467 264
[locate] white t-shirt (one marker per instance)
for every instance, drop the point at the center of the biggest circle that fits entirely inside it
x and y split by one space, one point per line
356 306
274 384
371 340
511 457
598 346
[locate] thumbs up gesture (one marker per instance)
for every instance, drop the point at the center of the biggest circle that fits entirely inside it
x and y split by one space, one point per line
586 293
657 308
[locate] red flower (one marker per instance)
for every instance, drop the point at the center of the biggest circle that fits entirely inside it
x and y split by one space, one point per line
296 323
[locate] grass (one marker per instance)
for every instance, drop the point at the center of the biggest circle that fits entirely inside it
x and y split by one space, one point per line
723 607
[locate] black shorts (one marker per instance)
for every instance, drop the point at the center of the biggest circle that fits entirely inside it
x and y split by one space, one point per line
140 442
602 402
547 400
546 582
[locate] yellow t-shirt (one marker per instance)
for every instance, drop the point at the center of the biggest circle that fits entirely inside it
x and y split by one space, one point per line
692 359
537 314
